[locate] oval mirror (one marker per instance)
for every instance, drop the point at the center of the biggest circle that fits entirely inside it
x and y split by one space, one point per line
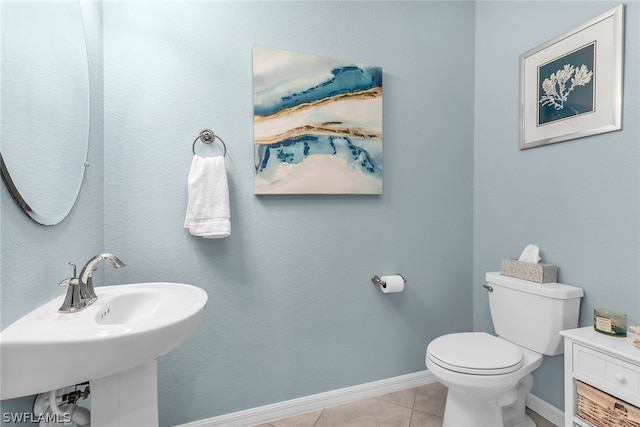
45 105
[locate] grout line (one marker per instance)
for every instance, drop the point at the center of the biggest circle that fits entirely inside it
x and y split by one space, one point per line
415 396
318 419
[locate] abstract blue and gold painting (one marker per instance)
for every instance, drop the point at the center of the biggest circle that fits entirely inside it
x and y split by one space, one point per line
317 124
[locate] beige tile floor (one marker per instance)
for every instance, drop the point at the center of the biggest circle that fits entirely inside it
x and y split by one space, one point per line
416 407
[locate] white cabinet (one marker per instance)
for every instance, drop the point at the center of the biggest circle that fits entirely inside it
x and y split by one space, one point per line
610 364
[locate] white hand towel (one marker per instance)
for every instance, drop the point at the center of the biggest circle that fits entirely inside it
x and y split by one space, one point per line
208 213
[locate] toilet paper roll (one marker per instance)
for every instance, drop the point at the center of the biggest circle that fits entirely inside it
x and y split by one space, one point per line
394 283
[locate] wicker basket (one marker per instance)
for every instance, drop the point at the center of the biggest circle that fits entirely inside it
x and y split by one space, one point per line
603 410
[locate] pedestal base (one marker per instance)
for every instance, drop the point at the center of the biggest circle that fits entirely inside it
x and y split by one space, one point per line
129 398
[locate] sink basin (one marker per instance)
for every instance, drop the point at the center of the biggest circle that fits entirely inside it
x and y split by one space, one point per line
126 327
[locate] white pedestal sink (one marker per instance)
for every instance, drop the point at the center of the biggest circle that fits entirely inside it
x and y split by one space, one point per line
113 343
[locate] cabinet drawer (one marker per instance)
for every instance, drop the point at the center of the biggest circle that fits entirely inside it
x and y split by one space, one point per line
608 373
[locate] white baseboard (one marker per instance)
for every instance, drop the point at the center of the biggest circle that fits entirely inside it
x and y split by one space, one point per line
545 410
302 405
290 408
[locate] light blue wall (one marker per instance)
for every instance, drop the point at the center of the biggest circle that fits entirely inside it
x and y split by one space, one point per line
292 311
578 200
35 257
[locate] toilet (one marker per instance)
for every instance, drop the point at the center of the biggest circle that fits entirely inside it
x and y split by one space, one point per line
489 377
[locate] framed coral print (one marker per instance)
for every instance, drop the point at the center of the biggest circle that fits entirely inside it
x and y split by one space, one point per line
571 86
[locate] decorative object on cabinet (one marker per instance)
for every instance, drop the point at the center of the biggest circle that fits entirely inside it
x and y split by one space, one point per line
610 322
571 86
317 124
611 365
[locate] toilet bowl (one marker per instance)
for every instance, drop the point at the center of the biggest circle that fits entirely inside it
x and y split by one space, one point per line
488 379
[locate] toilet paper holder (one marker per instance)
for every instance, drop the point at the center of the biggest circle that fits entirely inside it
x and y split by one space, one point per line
378 281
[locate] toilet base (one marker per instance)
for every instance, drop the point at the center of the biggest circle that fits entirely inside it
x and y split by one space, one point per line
464 409
476 410
514 414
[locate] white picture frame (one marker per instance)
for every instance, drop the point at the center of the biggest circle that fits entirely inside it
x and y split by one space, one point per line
571 86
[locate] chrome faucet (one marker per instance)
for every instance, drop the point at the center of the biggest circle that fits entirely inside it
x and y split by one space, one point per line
80 293
86 279
72 302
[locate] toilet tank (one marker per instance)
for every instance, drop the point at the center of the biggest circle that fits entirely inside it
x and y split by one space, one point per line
533 314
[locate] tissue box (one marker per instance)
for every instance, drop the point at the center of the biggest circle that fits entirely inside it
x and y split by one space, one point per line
534 272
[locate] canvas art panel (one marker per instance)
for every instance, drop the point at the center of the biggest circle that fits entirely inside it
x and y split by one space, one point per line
317 124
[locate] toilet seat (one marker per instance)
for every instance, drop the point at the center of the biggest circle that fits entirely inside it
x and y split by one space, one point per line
476 353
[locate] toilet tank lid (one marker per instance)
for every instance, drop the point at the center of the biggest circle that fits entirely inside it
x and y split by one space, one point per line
550 290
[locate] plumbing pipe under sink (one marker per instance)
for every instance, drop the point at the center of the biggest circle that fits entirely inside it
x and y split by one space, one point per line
53 414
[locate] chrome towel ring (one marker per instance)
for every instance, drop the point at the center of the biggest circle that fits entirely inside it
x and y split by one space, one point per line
207 136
